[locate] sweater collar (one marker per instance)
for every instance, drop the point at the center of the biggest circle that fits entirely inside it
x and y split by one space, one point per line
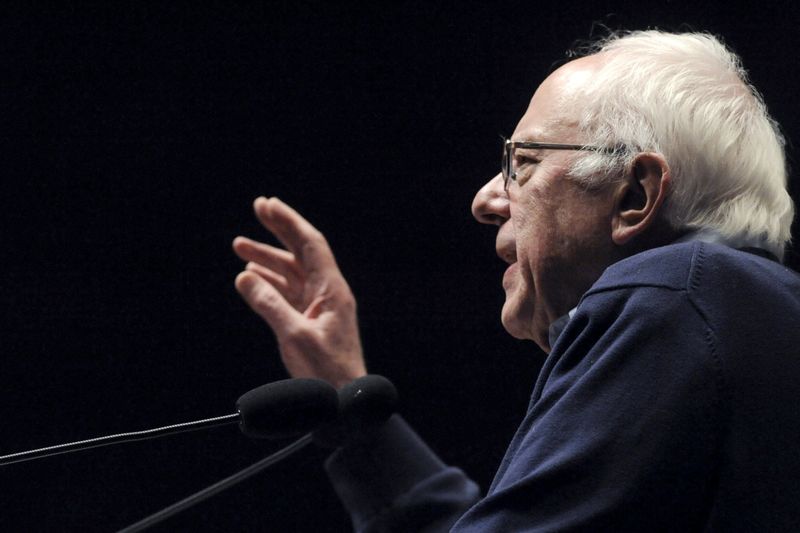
744 243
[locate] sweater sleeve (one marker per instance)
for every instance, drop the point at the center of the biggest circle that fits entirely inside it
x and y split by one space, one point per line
391 481
622 427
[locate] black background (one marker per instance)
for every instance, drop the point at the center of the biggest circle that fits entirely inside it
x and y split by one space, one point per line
135 137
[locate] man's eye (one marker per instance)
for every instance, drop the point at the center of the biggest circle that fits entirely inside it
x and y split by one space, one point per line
525 168
523 162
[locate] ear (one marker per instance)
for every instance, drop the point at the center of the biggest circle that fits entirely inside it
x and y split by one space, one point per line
639 199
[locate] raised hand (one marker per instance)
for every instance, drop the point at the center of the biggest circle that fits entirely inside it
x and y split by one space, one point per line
302 295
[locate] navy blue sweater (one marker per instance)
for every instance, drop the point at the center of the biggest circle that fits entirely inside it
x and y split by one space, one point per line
668 403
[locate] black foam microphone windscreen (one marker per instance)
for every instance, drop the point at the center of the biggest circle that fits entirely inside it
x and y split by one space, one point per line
364 403
367 401
287 408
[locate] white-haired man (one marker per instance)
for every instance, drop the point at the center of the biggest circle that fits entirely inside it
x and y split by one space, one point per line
642 209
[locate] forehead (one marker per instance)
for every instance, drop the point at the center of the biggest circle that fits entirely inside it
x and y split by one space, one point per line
552 114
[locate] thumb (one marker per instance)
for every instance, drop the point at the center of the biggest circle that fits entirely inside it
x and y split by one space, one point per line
268 303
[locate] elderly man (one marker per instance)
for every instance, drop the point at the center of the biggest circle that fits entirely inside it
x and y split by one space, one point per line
643 212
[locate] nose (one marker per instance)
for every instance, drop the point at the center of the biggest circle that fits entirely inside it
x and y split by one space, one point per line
490 205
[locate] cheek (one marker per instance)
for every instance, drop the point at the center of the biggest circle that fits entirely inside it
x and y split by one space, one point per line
537 233
527 222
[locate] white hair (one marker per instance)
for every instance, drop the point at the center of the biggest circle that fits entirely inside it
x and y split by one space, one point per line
687 97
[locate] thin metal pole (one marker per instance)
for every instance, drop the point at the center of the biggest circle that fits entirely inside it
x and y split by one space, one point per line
118 438
219 486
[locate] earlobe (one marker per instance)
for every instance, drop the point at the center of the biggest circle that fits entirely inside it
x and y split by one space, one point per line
639 200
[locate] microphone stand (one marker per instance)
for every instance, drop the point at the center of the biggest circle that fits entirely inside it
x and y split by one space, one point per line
219 486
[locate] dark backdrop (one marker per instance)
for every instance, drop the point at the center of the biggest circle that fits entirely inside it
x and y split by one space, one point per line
135 137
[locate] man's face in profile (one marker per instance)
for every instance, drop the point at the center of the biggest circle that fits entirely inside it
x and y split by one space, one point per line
554 234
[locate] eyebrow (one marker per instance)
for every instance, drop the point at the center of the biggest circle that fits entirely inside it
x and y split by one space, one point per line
535 136
521 150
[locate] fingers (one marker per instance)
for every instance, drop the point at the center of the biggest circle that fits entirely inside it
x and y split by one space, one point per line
275 259
276 280
268 303
296 233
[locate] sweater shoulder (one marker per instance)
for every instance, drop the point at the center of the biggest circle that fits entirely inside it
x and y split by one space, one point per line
669 267
692 266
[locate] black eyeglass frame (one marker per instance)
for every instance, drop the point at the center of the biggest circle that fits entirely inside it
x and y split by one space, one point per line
509 146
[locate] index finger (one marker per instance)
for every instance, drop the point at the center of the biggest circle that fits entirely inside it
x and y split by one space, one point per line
296 233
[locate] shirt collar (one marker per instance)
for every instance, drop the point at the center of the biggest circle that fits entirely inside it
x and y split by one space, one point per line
558 325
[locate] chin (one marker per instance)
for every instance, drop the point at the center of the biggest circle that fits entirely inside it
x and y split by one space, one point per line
510 317
518 321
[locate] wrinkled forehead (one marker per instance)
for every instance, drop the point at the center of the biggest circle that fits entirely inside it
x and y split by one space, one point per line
554 111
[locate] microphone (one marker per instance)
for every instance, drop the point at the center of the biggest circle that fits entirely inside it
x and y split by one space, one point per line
287 408
281 409
364 403
276 410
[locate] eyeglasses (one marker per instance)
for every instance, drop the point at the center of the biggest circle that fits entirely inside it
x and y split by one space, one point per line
512 168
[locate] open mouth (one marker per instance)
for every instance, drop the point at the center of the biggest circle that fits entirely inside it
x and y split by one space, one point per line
509 256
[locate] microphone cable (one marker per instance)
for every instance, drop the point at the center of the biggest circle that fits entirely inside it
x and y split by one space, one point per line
219 486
